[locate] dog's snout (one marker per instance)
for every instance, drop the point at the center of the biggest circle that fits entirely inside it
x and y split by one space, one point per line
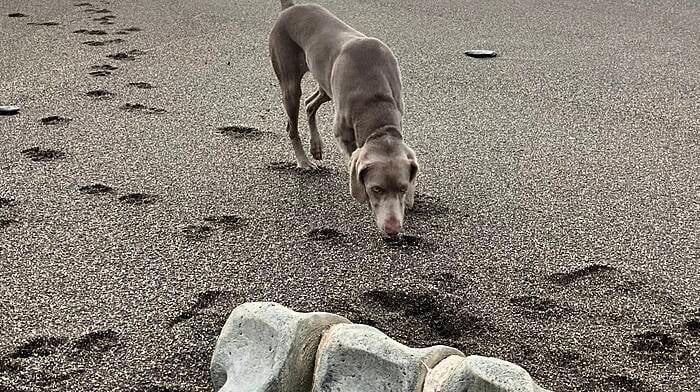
392 226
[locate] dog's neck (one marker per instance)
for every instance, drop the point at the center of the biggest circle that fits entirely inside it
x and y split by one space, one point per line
375 117
385 131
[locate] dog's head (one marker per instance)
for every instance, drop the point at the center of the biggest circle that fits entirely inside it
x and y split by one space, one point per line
385 178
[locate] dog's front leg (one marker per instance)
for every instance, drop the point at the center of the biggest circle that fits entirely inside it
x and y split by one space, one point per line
312 105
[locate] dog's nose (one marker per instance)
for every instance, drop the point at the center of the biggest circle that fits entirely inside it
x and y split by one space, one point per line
392 226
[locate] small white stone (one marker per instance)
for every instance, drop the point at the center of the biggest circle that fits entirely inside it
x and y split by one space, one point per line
266 347
359 358
479 374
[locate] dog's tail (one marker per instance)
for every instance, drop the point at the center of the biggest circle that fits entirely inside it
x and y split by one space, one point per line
286 4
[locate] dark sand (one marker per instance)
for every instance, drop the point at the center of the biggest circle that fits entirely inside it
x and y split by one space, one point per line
557 224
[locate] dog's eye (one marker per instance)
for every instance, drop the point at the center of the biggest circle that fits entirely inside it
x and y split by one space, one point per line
377 189
403 189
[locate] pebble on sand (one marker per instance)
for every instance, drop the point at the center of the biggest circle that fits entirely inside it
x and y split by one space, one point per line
479 53
8 110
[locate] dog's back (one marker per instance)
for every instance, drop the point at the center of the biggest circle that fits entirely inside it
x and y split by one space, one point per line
328 45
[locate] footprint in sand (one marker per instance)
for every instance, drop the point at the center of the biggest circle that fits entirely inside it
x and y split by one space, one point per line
96 189
224 221
38 154
143 85
55 120
127 30
570 277
137 107
444 318
126 56
44 346
6 202
105 20
536 306
99 73
8 365
654 342
90 32
7 222
44 361
409 243
138 198
99 94
44 23
122 56
131 29
95 342
203 301
97 11
323 234
103 43
564 358
693 326
203 231
39 346
197 232
104 67
237 131
621 383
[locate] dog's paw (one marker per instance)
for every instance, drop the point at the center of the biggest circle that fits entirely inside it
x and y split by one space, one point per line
316 150
306 165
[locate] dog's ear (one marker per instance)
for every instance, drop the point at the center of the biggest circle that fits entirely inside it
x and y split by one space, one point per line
411 191
357 185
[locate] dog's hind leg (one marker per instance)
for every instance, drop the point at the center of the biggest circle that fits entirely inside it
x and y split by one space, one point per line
312 105
290 66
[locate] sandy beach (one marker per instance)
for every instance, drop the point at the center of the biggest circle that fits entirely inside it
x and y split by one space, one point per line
147 187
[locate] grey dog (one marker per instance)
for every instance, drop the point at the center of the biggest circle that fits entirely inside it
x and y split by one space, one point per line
361 76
